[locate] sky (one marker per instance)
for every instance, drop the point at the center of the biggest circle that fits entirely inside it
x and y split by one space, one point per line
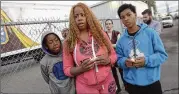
161 6
89 3
52 6
158 3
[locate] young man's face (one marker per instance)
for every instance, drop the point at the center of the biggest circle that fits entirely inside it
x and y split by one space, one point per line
147 18
128 18
53 43
80 18
109 25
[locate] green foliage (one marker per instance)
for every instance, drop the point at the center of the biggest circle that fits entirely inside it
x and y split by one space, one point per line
150 4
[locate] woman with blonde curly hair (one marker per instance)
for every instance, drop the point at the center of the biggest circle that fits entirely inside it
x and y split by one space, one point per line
88 53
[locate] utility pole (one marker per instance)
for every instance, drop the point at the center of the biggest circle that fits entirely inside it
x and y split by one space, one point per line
151 5
167 7
66 19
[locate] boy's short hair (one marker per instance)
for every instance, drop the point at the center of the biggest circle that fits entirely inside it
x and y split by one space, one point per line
108 20
126 6
148 11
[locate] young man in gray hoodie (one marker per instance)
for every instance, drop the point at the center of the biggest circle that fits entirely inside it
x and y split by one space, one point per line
52 65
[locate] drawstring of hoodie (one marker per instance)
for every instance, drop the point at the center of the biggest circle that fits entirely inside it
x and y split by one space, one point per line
102 87
94 55
134 49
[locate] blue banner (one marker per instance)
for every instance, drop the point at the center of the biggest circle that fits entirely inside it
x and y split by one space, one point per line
4 36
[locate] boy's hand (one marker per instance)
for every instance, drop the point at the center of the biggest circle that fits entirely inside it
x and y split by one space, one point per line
129 63
139 62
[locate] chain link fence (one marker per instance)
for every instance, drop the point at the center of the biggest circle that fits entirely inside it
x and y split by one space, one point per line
21 49
23 40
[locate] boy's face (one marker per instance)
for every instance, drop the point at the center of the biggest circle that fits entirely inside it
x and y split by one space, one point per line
53 43
80 18
128 18
109 25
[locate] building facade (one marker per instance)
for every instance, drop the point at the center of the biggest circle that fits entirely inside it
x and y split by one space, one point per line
108 10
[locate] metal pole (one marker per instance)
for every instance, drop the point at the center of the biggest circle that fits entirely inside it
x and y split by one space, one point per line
167 6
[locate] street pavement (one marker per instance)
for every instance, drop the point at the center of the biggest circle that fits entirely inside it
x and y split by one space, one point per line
29 80
169 71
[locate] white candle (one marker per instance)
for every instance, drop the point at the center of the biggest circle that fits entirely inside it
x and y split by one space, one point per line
92 59
133 59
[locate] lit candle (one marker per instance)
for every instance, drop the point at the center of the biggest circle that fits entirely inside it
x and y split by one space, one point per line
133 59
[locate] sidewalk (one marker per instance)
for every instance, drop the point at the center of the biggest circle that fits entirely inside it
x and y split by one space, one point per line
25 81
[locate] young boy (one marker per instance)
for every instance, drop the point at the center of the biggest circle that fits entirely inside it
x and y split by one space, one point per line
52 65
140 53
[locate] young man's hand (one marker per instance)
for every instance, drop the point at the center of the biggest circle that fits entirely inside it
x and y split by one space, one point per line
129 63
139 62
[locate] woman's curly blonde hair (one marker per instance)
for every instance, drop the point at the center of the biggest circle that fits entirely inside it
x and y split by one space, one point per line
93 24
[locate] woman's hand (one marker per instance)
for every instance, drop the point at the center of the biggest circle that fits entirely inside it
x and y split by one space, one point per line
86 65
101 60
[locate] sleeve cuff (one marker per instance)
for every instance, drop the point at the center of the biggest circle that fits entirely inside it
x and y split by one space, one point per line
146 61
122 63
68 73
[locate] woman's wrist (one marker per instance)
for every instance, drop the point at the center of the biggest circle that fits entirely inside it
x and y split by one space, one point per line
108 61
81 69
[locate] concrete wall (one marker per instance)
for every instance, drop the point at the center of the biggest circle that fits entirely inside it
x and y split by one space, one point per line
108 9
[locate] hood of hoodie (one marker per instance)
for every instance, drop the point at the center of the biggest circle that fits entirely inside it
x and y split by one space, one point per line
142 27
43 46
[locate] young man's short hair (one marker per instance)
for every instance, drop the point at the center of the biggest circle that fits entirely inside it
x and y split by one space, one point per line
109 20
126 6
148 11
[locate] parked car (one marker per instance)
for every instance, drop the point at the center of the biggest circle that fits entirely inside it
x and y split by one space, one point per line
167 21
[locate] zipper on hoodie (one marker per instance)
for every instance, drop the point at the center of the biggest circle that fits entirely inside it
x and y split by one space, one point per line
94 62
134 47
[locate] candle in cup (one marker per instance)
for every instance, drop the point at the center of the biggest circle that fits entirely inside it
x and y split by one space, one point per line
133 59
92 59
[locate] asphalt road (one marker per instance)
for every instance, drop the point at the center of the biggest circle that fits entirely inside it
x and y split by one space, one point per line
29 80
169 72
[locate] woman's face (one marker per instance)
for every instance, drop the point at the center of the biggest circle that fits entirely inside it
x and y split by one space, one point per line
109 25
80 18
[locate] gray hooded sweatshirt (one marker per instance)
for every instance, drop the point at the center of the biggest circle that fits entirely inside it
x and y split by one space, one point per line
52 71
